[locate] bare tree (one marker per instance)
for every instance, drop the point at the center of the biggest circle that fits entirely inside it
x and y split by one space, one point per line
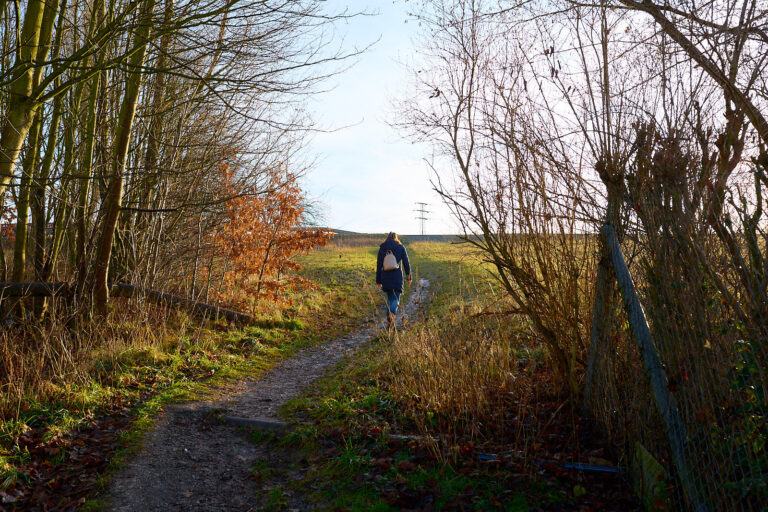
129 111
556 118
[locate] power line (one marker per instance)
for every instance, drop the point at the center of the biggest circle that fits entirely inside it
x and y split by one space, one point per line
422 211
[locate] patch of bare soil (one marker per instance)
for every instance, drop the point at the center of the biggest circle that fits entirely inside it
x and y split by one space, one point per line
193 462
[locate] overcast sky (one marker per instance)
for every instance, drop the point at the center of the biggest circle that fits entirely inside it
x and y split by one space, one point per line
368 177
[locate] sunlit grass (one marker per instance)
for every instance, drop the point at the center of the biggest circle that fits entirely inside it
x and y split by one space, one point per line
142 359
440 378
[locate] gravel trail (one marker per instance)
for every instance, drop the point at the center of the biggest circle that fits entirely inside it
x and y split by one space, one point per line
191 464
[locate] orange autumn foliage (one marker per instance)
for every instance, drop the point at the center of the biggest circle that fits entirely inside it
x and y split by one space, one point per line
261 238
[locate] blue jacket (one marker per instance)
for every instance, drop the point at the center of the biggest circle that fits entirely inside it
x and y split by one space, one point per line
392 279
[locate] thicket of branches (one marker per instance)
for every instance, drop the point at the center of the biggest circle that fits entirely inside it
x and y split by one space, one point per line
128 127
558 117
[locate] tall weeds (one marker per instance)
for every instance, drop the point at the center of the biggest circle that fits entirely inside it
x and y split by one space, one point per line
464 372
454 372
48 360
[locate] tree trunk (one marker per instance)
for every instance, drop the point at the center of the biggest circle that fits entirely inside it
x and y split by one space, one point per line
85 171
22 202
3 264
39 217
22 107
113 199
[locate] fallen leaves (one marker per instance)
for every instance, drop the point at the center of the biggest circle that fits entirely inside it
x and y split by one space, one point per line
59 473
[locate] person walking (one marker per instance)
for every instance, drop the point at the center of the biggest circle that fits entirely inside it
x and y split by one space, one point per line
390 264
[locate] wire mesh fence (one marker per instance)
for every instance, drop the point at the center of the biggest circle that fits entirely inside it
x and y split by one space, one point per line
677 371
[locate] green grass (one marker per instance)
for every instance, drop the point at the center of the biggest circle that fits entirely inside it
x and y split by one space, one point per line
353 411
457 274
144 378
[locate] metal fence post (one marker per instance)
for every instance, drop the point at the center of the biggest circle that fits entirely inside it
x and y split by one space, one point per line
665 401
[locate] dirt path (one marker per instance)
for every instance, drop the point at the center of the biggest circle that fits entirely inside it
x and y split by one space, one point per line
189 463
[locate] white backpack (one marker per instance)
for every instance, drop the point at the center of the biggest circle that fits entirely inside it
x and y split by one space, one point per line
390 262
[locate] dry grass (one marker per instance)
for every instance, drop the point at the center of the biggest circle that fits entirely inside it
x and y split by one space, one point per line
68 354
46 360
463 372
454 378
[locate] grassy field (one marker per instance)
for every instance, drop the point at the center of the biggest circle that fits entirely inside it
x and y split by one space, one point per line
139 360
453 413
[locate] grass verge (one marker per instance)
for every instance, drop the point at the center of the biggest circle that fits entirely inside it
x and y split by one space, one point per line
64 431
458 412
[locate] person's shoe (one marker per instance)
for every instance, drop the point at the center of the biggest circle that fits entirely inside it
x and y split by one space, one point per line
391 320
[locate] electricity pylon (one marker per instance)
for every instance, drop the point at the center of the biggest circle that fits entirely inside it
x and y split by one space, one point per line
422 211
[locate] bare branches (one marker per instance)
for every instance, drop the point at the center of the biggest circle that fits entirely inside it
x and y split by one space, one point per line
550 119
218 87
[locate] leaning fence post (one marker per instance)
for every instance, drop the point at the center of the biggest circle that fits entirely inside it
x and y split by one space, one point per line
596 333
665 401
